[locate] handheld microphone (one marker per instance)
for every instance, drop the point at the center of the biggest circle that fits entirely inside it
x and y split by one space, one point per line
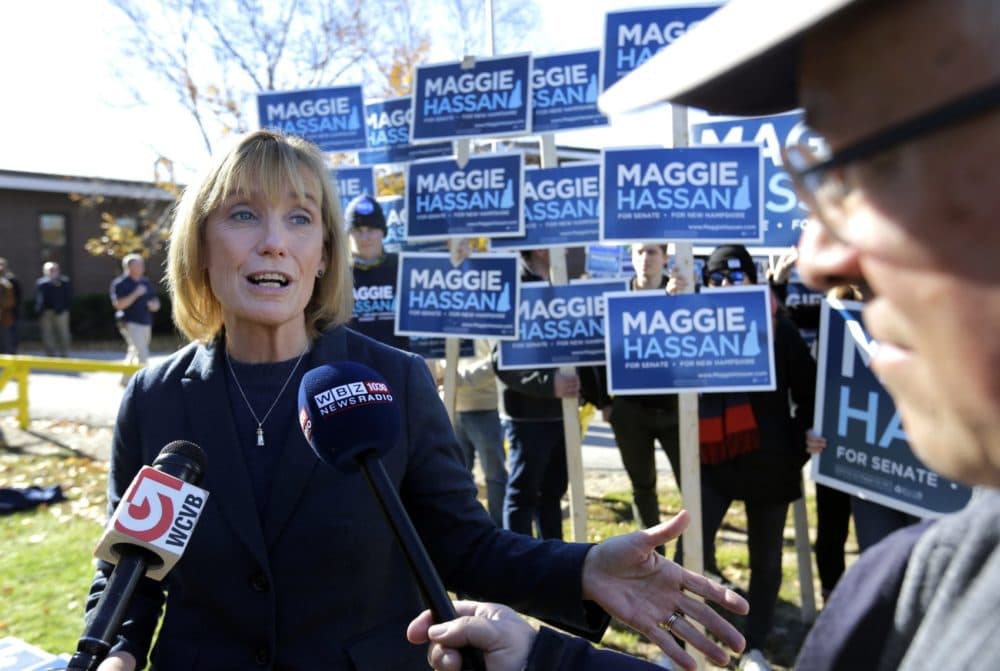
145 536
351 417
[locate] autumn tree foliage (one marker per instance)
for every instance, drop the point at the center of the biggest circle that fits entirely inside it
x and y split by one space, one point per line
213 56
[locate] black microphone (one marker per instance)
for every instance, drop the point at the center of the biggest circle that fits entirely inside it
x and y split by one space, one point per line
145 536
350 417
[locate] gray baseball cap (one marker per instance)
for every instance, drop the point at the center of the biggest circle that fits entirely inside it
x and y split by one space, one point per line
742 59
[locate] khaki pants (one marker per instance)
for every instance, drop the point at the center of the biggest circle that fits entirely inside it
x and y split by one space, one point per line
55 332
137 337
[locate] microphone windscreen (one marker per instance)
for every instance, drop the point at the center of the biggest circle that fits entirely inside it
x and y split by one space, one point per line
182 459
346 409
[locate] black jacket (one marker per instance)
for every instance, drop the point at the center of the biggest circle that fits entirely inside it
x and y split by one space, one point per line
773 473
530 394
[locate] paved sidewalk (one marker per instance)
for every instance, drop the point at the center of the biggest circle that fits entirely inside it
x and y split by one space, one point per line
77 411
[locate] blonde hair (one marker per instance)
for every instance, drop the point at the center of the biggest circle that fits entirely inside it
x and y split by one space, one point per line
273 163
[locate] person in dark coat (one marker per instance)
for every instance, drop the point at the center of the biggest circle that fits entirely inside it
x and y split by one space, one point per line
292 565
753 447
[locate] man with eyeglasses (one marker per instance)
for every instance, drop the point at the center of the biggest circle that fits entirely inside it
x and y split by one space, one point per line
906 204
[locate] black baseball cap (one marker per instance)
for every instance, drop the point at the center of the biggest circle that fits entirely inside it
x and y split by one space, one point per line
364 210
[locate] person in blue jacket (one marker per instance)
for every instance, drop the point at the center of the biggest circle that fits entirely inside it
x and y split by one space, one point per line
292 565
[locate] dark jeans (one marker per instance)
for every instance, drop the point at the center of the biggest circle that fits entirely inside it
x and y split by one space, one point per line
537 477
479 432
765 531
636 427
833 519
873 521
8 340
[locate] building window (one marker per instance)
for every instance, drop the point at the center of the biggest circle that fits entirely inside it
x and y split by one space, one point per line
52 233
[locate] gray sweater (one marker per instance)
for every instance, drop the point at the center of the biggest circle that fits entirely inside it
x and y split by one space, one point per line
948 612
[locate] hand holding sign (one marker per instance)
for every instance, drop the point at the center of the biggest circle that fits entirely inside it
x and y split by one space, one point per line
566 386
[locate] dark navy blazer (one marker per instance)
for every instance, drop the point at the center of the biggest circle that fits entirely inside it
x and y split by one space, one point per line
320 583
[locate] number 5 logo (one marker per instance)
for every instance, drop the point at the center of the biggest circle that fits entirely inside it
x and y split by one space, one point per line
149 510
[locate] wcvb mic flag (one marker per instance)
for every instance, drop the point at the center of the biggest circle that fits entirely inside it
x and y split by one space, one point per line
158 513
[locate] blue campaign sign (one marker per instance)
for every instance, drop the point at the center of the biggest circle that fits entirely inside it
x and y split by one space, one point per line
434 348
394 208
562 208
332 118
800 294
694 194
867 452
784 216
561 324
17 655
564 90
479 297
389 134
716 340
352 181
631 37
605 260
491 98
483 199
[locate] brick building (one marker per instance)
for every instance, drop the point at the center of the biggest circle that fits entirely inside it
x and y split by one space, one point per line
50 218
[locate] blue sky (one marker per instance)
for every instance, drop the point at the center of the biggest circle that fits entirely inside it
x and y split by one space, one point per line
66 112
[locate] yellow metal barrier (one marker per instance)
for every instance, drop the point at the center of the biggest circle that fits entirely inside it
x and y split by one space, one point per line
17 367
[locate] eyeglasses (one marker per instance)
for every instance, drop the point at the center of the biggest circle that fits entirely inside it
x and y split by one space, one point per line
717 277
822 182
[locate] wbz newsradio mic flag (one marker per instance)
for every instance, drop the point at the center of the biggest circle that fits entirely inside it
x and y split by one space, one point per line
713 341
867 451
783 217
562 208
710 195
333 119
559 325
350 417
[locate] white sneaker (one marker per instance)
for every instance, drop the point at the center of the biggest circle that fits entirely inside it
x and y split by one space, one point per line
754 660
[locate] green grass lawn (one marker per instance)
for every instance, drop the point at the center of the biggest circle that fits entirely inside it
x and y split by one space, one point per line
46 561
46 556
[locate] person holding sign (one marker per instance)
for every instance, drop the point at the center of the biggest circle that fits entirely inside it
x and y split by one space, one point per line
532 408
374 272
906 205
639 421
753 447
291 565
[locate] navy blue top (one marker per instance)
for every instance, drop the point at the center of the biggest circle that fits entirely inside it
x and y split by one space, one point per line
260 382
138 312
52 294
375 301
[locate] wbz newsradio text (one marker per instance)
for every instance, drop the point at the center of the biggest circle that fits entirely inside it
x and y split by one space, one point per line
351 394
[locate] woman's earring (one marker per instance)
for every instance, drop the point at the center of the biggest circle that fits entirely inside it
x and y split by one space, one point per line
320 273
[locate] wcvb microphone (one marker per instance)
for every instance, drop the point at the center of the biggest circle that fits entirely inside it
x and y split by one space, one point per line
350 417
145 537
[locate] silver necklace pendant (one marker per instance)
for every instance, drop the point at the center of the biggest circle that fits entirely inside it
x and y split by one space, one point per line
260 422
